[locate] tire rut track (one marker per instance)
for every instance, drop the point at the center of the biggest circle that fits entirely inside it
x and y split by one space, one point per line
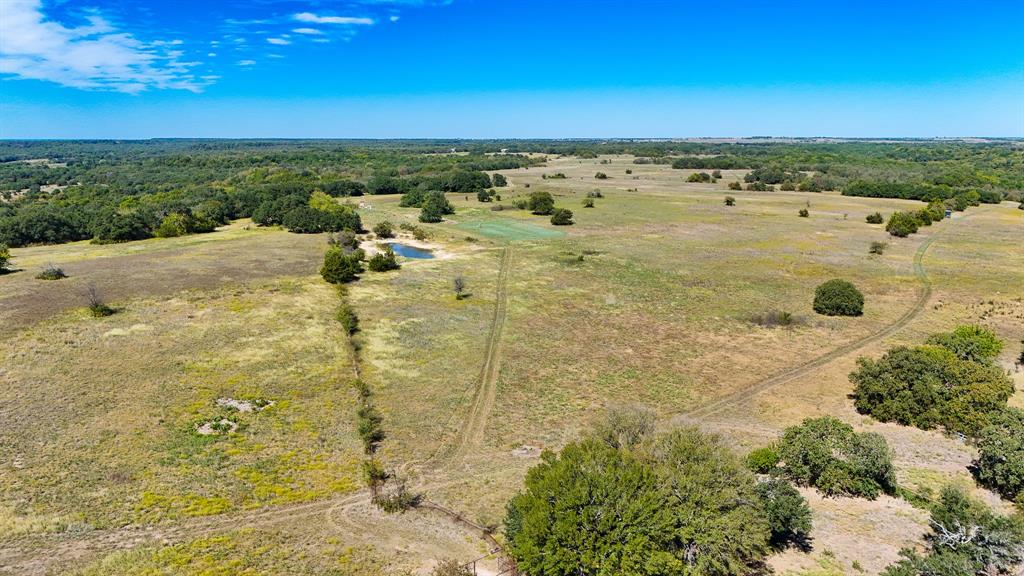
471 434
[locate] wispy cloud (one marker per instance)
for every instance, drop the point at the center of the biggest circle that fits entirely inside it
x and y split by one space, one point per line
394 18
93 56
350 20
310 31
246 62
279 41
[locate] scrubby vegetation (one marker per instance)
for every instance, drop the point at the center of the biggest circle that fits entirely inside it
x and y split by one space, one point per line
541 203
95 303
875 218
341 265
966 539
838 298
730 201
561 217
384 229
51 272
383 261
5 259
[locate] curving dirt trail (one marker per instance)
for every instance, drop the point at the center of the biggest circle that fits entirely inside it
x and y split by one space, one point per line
803 369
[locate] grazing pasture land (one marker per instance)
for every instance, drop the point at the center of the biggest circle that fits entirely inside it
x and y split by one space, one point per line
211 424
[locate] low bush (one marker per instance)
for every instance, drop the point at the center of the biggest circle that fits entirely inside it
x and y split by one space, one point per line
484 196
97 307
774 318
716 174
699 177
346 315
595 193
735 185
340 267
763 460
730 201
601 176
369 426
878 248
541 203
902 224
383 261
451 568
827 454
628 171
760 187
875 218
838 298
398 499
384 229
588 202
804 213
561 217
499 180
51 272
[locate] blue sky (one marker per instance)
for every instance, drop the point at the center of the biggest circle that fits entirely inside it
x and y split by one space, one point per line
477 68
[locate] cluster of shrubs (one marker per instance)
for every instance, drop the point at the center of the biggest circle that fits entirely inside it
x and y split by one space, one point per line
307 214
903 224
921 191
433 204
827 454
763 179
681 501
953 383
488 195
343 261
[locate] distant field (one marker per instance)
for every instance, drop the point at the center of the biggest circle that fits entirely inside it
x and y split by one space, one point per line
648 299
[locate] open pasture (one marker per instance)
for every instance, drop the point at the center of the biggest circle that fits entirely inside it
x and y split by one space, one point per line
650 297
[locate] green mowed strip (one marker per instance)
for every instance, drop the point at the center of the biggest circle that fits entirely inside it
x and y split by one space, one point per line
508 229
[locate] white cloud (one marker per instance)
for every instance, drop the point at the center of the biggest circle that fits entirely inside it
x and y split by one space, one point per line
211 54
246 62
394 18
279 41
311 31
315 19
94 56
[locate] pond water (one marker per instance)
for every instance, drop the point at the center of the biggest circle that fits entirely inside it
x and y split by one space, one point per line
411 251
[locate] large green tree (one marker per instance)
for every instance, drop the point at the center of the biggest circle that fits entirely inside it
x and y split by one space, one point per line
680 504
829 455
928 386
1000 463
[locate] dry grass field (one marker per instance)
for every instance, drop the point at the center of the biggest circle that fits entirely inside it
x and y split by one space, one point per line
647 299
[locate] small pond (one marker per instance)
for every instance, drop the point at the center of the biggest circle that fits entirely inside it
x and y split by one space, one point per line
411 251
